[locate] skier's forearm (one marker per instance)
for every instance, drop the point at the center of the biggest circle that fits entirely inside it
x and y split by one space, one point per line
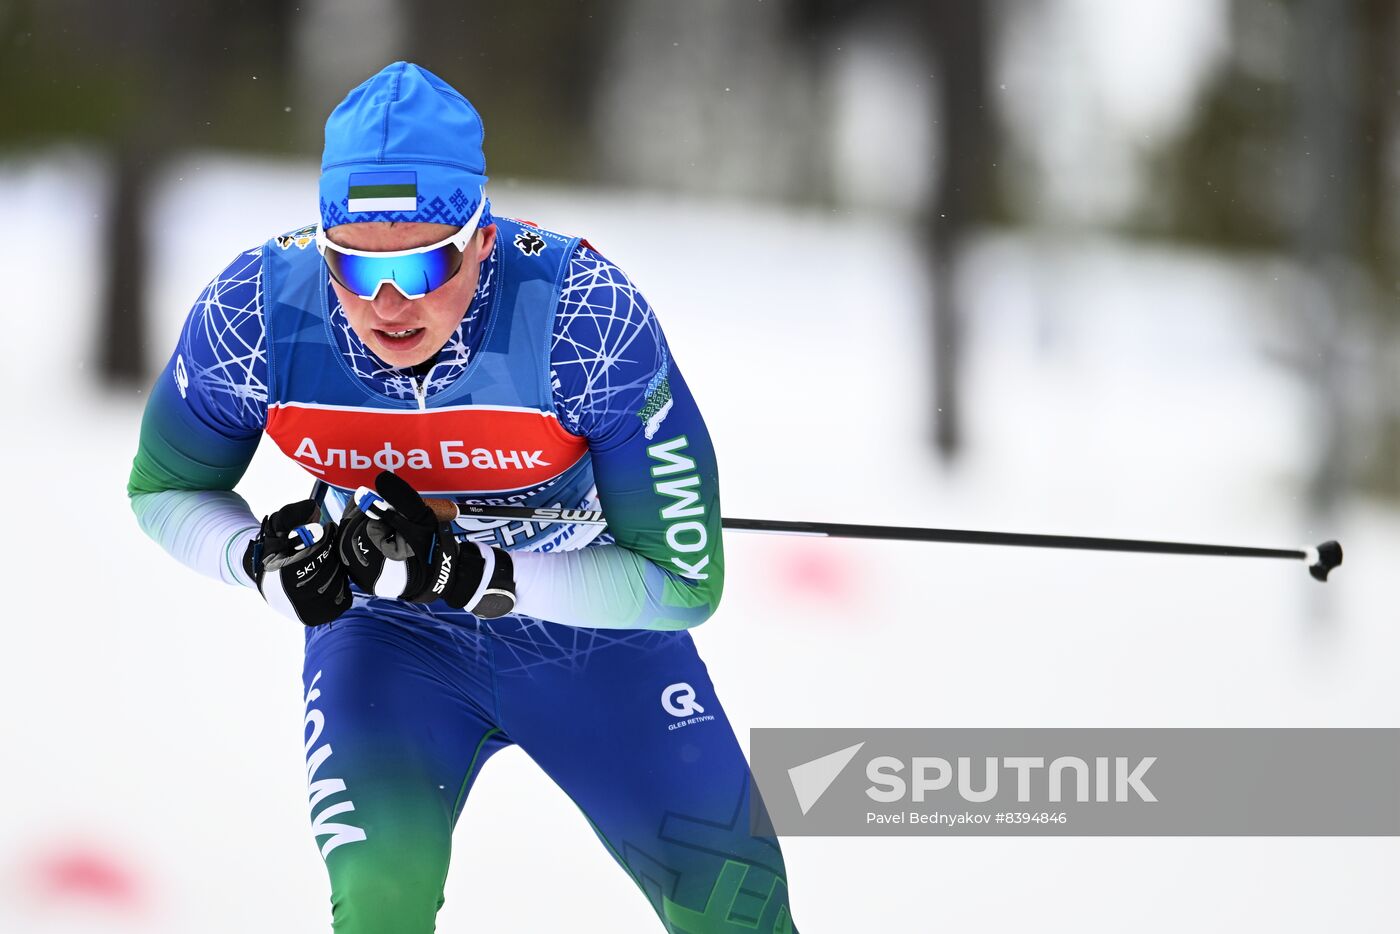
180 465
608 587
203 419
206 530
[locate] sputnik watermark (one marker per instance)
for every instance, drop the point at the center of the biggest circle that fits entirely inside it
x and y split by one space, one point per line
1179 782
1116 778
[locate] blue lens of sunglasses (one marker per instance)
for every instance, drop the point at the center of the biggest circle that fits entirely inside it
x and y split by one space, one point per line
415 275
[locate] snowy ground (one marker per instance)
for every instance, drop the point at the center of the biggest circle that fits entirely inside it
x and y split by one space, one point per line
151 719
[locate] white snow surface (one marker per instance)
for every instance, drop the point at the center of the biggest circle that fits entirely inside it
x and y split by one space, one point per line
152 719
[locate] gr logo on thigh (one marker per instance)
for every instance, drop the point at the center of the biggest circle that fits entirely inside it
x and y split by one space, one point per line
678 700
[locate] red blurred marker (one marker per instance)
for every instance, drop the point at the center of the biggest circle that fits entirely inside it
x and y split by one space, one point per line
814 573
79 873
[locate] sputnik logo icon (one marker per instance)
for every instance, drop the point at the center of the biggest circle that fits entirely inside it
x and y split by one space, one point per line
810 780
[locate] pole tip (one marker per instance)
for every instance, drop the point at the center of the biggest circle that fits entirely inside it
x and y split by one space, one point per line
1325 557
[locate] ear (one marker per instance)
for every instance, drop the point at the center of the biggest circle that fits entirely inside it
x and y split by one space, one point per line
487 241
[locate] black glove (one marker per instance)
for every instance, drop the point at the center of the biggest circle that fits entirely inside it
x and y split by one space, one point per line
394 546
295 565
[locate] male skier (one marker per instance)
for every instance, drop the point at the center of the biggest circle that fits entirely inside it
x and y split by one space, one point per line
417 344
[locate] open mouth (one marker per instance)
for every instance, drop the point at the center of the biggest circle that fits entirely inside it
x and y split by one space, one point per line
399 339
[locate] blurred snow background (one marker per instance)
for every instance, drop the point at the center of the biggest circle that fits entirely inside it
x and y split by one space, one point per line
1114 378
152 718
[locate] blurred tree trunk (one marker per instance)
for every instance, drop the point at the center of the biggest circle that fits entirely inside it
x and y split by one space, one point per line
161 61
959 40
1330 183
956 37
123 325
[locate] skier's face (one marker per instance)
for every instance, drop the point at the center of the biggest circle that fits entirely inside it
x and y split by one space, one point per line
401 331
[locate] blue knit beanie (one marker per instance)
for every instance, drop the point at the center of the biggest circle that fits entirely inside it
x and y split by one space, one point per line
403 146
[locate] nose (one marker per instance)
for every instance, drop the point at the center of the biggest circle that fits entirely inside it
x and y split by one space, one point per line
390 305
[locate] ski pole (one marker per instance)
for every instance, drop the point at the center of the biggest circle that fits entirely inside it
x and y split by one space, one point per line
1320 559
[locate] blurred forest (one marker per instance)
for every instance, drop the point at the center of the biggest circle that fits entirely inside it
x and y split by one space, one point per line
1280 150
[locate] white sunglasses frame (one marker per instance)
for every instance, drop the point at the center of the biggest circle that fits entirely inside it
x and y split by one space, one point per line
460 239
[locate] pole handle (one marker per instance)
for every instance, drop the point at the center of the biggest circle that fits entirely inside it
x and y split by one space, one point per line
444 510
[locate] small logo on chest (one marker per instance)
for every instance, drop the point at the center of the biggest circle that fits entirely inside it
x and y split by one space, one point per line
529 243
